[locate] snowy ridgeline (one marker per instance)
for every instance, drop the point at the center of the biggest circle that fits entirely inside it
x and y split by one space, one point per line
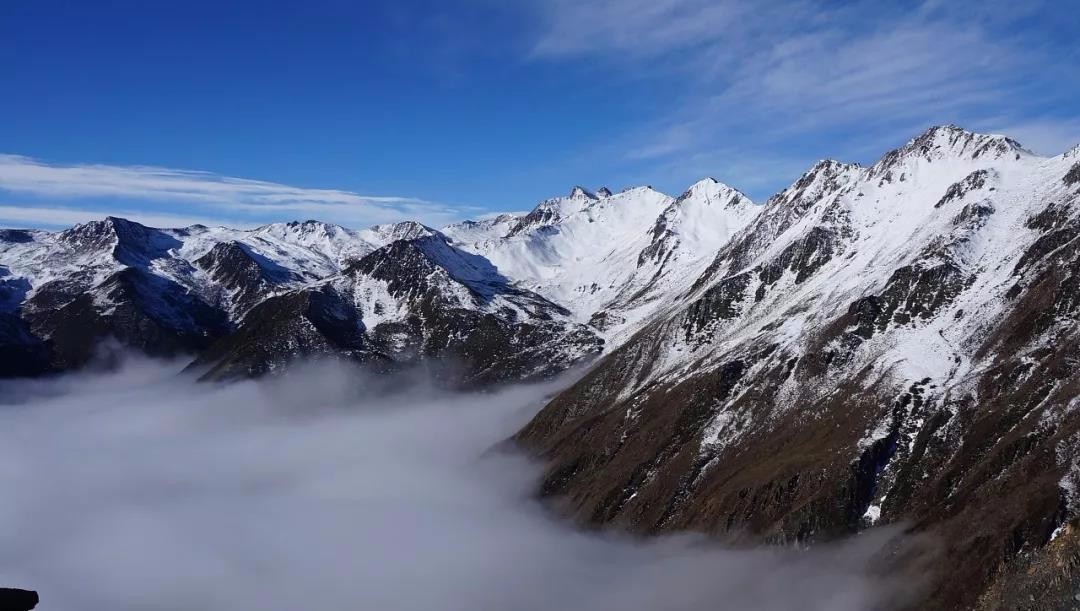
625 253
599 263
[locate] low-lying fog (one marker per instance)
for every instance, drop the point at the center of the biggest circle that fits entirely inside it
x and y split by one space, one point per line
137 490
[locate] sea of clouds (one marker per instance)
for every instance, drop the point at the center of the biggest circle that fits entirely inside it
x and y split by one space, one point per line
326 490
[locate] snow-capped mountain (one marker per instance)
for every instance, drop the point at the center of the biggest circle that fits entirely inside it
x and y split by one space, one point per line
892 343
247 302
612 259
414 299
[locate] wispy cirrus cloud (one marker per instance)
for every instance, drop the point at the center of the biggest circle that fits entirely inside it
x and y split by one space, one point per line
808 79
638 28
38 215
53 194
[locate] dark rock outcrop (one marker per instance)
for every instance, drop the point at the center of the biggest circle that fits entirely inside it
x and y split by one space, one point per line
14 599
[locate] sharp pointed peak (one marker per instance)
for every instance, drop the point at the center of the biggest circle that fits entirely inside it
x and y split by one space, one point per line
711 183
579 192
603 192
711 187
120 222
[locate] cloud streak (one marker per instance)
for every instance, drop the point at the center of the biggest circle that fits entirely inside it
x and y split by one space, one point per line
208 197
137 490
52 216
794 78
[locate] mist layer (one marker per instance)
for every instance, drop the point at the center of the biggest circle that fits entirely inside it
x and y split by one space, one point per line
324 490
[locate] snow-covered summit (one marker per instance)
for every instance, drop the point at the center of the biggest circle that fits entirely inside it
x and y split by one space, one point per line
951 143
390 232
704 217
473 232
613 258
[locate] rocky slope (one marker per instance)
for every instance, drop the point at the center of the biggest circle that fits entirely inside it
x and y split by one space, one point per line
249 302
417 299
895 343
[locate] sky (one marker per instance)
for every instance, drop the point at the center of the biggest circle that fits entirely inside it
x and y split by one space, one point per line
361 112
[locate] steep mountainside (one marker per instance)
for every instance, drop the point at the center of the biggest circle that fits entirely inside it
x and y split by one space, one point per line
881 344
413 300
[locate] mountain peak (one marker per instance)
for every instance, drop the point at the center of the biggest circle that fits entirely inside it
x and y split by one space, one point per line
603 192
708 184
405 230
954 142
712 189
579 192
123 225
953 134
301 228
106 229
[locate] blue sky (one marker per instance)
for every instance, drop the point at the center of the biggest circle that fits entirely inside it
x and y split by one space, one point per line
371 111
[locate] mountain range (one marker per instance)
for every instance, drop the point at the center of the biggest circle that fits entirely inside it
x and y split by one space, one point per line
895 343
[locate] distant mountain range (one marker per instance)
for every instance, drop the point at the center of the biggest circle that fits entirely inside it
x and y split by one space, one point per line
892 343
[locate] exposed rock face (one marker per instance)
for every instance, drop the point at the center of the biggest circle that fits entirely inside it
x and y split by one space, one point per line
300 324
1073 177
412 301
243 277
894 343
144 311
249 303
